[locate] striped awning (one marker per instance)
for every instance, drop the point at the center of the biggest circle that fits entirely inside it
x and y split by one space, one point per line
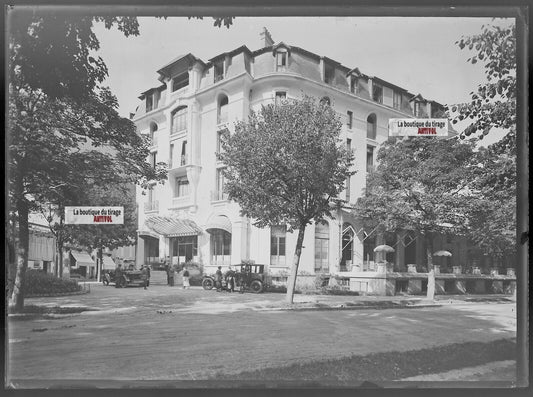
218 222
82 258
145 232
172 227
108 263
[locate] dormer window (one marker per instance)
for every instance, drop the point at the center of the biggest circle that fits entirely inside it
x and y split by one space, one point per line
180 81
397 100
329 73
218 70
281 60
149 103
377 93
353 84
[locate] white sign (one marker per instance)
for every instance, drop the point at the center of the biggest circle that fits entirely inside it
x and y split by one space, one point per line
94 215
418 127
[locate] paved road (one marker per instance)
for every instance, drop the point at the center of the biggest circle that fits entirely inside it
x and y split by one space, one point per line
168 333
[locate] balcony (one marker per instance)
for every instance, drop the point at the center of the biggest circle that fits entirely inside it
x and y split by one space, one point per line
218 195
151 206
178 161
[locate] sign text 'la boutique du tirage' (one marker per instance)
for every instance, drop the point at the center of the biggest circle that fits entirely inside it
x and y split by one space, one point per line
94 215
418 127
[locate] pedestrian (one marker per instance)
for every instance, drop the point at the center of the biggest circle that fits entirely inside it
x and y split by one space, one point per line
230 279
144 276
118 276
218 279
171 275
166 266
186 284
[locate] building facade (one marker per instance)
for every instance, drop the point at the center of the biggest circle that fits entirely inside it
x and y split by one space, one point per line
189 218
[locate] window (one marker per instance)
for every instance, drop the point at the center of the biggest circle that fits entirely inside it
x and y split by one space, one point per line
184 157
277 245
396 100
377 93
371 124
218 68
281 60
349 114
185 248
417 109
153 159
220 182
221 134
222 113
348 182
171 157
322 246
149 103
153 129
325 101
329 74
220 247
353 84
181 187
180 81
369 158
280 97
179 120
152 204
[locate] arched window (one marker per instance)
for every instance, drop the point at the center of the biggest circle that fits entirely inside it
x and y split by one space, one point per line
220 247
371 126
322 246
325 101
179 120
153 129
222 111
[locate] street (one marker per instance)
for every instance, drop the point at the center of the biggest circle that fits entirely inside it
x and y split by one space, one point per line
168 333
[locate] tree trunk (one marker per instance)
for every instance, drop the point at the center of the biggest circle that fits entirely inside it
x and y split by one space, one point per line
431 270
295 263
22 248
99 262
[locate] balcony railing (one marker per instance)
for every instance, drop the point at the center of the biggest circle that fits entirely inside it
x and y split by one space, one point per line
151 206
179 161
218 195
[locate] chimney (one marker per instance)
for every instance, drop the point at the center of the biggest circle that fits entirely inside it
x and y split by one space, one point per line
266 38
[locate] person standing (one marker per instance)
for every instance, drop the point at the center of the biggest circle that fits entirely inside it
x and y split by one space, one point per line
170 275
186 283
230 279
118 276
218 279
144 276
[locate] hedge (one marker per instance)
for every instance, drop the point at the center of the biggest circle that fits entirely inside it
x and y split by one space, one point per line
38 282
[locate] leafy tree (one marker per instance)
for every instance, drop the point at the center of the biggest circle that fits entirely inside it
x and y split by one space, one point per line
493 105
420 184
285 166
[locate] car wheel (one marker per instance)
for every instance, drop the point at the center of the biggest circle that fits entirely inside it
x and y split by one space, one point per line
208 283
256 286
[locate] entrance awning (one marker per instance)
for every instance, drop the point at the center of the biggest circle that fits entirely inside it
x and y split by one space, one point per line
218 222
172 227
82 258
108 263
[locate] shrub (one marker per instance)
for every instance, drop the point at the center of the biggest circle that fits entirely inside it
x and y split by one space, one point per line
38 282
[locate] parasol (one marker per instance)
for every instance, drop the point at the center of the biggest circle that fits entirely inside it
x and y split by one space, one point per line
442 253
384 248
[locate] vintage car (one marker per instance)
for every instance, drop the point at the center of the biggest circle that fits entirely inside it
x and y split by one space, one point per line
248 277
129 277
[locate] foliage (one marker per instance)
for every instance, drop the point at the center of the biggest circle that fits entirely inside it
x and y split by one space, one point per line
493 105
420 184
285 165
53 50
38 282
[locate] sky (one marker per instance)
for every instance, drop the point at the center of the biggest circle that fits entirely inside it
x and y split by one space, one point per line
416 53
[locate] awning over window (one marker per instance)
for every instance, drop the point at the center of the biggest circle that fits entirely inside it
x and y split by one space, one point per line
172 227
108 263
218 222
146 233
82 258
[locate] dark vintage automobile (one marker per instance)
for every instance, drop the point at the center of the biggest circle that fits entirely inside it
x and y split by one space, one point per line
248 277
129 277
